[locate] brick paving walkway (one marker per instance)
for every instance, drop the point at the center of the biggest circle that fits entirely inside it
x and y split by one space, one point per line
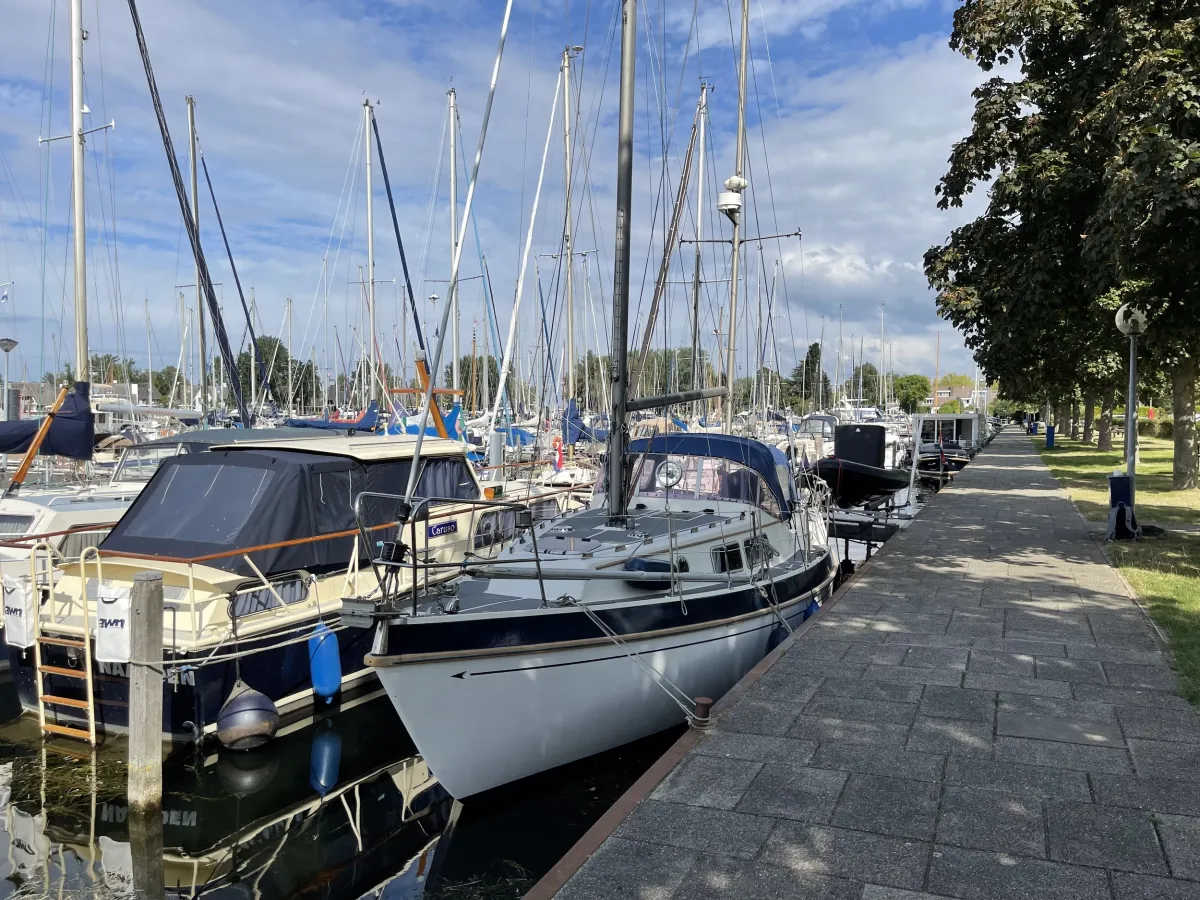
984 714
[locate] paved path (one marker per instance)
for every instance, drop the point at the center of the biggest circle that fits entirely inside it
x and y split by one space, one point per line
984 714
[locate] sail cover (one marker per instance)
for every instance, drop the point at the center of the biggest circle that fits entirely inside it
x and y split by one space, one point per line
72 433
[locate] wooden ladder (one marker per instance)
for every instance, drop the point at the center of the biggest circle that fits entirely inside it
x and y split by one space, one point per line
84 675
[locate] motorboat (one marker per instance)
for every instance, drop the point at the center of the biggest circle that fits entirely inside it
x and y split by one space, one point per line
858 484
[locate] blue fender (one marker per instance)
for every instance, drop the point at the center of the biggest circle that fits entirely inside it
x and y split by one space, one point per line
325 662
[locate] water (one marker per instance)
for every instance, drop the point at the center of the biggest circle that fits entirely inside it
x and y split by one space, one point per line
342 807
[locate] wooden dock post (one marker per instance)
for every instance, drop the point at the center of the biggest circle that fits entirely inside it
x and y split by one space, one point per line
145 692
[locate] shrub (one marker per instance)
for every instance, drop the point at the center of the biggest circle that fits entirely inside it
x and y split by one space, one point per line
1147 428
1166 429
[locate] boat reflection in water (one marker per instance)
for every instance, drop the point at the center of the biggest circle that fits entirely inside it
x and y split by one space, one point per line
342 807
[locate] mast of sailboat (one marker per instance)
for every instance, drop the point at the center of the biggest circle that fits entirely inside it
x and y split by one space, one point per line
701 116
368 113
149 360
191 115
568 249
452 291
882 359
737 184
77 170
617 434
291 392
253 367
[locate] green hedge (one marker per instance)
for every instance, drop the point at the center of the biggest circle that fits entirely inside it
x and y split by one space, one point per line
1166 429
1147 428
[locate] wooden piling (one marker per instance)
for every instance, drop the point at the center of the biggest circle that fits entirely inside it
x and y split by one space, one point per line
146 692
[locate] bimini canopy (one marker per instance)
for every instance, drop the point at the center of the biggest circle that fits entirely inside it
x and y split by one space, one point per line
766 461
228 500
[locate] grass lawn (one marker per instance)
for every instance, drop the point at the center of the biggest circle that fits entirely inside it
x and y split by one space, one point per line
1165 571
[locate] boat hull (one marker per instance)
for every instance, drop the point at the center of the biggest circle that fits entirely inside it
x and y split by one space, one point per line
488 719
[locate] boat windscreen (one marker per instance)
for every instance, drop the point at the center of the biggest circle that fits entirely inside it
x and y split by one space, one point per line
201 504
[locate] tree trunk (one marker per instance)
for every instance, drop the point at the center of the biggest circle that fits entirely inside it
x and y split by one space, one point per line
1183 403
1089 415
1104 435
1060 419
1074 418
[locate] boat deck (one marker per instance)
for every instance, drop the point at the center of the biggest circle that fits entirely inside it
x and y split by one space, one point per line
984 712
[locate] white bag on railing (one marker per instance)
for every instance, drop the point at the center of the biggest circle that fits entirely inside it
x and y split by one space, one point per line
20 607
112 623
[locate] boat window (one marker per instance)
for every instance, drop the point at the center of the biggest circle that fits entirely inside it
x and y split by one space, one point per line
10 524
544 509
448 477
139 463
261 599
206 504
727 558
76 542
702 478
495 527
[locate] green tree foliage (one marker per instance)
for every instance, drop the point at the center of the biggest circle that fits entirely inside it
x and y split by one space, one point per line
487 378
277 360
912 391
868 376
954 406
955 380
808 387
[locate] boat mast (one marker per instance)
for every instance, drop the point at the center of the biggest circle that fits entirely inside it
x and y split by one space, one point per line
737 183
291 394
701 115
77 170
882 359
452 298
368 112
568 249
253 367
149 360
617 505
192 148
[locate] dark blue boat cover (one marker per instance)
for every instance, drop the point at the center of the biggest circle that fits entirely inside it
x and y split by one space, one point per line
72 433
366 422
574 430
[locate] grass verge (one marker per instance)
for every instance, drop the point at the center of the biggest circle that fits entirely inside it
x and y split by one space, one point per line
1164 571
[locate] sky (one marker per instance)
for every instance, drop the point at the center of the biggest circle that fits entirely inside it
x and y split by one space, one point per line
853 106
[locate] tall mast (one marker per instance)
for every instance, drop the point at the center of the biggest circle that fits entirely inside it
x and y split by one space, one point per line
737 183
80 222
452 299
617 508
702 114
569 259
882 360
149 360
192 148
289 350
253 367
368 112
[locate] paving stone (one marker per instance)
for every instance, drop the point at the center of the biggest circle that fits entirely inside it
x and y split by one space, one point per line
853 632
695 828
1181 839
958 703
1042 620
1107 836
988 820
869 760
1049 728
896 806
755 716
1167 795
791 792
1016 778
735 879
782 686
986 662
708 781
622 868
1147 887
931 640
847 854
816 728
881 654
936 658
1129 697
1064 756
1165 759
912 675
1020 648
1073 670
1154 678
979 875
1082 710
878 892
1039 687
1160 724
814 648
870 690
756 747
818 668
1116 654
956 736
1060 637
861 710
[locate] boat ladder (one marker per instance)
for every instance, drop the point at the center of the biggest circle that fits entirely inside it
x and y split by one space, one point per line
84 674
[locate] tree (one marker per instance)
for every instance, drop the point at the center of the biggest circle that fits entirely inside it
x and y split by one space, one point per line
487 378
164 380
954 406
808 384
867 376
274 372
911 391
954 380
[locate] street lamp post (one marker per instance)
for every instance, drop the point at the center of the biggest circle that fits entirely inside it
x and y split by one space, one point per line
1132 322
8 345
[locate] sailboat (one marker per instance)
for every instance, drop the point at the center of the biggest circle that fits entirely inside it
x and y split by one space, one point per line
695 557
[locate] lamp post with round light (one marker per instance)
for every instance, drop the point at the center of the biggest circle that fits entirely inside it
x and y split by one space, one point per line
1132 322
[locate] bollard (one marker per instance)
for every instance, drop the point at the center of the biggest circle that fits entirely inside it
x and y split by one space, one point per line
146 848
703 708
145 693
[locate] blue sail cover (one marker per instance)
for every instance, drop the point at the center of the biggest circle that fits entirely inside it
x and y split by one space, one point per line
574 430
366 422
764 460
72 433
450 420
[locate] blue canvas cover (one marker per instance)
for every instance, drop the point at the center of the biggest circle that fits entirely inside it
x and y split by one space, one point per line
450 420
366 422
574 430
72 433
750 453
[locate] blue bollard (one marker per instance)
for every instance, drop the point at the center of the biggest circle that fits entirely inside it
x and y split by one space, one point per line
1049 437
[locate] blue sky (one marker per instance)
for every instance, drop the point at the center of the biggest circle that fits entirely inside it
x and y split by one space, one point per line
853 107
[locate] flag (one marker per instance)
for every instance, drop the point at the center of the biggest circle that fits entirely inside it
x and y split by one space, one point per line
558 460
4 297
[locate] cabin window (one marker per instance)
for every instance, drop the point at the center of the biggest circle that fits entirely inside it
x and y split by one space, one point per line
76 542
261 599
15 524
543 510
727 558
208 504
447 477
495 527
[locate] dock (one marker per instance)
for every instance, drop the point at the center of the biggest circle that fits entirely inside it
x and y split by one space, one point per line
983 711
